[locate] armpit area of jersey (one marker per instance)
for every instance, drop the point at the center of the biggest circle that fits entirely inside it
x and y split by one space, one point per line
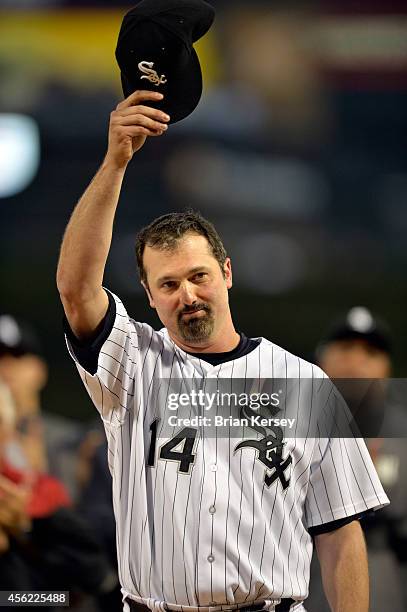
333 525
87 351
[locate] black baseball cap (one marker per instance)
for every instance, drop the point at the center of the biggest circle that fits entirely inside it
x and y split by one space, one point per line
17 337
155 52
360 323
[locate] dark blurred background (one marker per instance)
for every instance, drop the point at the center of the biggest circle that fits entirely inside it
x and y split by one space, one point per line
297 152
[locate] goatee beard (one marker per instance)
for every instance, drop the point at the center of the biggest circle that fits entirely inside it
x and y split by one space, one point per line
196 329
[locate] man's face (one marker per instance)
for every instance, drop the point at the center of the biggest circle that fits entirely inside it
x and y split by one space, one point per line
354 358
23 375
187 288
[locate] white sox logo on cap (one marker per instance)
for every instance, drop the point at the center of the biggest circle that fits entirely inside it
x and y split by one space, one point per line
172 26
150 74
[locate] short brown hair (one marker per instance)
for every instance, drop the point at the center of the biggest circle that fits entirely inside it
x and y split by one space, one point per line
165 232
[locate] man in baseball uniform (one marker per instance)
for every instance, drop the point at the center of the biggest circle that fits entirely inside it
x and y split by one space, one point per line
204 522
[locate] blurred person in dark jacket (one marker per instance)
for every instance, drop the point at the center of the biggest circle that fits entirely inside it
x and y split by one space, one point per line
358 346
95 504
44 544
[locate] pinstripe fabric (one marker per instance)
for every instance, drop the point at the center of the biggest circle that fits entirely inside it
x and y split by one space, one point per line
218 535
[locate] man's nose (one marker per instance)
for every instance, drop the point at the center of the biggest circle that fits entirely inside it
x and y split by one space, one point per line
187 294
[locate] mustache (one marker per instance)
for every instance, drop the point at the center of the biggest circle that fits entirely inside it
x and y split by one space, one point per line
194 308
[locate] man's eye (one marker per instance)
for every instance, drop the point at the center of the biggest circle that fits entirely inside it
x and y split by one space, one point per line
168 284
200 275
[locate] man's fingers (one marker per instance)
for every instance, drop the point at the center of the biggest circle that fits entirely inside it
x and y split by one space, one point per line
135 131
138 96
148 111
7 486
10 492
142 120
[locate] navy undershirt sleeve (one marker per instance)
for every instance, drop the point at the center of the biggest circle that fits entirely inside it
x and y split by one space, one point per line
87 351
333 525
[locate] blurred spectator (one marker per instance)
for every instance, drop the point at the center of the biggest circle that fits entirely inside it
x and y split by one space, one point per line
44 545
359 347
12 515
96 502
96 506
49 441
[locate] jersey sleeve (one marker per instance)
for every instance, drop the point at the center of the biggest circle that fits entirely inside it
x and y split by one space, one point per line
343 480
107 365
87 351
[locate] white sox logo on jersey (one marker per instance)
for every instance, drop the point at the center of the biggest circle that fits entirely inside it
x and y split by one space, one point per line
150 74
270 450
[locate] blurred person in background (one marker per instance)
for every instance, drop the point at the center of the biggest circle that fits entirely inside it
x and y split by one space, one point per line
25 372
46 442
44 544
95 504
12 508
358 346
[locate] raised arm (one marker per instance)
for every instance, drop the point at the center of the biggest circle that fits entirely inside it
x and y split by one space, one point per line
86 243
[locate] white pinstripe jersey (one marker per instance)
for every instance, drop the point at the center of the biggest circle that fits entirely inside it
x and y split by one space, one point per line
217 535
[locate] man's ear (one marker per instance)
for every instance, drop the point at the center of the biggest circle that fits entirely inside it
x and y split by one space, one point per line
227 270
147 290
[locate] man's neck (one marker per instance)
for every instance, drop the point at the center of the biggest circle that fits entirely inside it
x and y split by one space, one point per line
222 344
